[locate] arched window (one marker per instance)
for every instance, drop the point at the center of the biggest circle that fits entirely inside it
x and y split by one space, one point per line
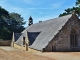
73 38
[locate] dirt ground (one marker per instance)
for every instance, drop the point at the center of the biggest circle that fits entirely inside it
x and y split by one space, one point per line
62 55
20 55
8 53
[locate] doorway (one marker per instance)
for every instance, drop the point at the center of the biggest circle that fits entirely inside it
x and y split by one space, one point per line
53 48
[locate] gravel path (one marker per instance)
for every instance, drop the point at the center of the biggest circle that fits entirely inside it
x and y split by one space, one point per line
8 48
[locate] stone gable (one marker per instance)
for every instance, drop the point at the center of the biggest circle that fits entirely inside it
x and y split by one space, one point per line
61 42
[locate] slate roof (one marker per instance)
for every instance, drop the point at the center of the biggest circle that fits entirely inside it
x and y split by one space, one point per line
48 30
32 36
16 36
19 41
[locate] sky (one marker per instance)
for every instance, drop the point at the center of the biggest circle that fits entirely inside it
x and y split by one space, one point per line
40 10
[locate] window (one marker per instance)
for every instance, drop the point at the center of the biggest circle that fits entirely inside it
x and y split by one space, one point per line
73 39
23 40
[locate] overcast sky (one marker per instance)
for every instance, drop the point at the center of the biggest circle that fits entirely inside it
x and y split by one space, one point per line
40 10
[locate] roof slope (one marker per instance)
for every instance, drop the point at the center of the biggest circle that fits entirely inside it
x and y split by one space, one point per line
32 36
48 30
17 35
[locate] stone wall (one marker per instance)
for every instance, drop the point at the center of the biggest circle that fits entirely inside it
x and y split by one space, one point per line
5 43
33 50
20 47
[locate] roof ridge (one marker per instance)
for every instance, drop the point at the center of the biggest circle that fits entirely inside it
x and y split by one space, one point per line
52 19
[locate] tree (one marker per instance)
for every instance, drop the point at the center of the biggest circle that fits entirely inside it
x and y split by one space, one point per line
67 11
9 23
4 15
16 23
78 7
70 10
78 3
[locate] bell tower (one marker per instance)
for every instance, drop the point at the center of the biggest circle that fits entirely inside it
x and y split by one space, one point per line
30 21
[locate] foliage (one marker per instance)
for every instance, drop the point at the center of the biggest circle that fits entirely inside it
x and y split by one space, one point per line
9 23
70 10
16 22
